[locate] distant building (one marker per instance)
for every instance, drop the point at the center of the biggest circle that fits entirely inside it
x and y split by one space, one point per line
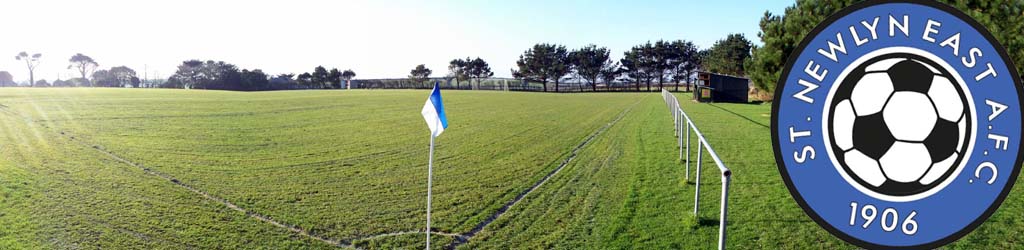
713 87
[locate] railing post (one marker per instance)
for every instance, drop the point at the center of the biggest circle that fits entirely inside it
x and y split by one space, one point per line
680 128
683 124
725 205
687 149
675 122
696 195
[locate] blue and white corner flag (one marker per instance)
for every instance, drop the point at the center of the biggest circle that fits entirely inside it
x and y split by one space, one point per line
433 111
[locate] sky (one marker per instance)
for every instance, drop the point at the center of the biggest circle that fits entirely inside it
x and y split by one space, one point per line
376 39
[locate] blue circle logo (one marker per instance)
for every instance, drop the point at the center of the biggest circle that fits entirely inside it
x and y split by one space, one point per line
898 124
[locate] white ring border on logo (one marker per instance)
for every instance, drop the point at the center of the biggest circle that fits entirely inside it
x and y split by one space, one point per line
970 143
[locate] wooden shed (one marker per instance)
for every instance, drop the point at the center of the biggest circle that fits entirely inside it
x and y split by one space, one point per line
713 87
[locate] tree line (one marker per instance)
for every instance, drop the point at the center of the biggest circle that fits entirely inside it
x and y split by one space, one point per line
782 33
545 64
191 74
119 76
468 70
641 66
219 75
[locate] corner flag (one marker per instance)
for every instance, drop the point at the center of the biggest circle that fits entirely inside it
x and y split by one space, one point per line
433 112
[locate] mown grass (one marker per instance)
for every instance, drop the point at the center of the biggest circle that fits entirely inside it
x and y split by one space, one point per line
627 190
351 164
341 164
59 194
766 216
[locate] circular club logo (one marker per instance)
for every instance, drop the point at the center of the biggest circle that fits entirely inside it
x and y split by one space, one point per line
898 124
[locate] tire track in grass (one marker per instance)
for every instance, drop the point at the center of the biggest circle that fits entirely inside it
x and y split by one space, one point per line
175 181
383 235
459 239
572 155
349 243
204 194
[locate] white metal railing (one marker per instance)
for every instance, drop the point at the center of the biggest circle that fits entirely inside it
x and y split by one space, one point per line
678 116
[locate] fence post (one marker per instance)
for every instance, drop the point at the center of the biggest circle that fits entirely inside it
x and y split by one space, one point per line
725 205
683 124
687 149
675 122
696 195
680 133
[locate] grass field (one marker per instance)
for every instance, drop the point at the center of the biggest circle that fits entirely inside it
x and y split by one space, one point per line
122 168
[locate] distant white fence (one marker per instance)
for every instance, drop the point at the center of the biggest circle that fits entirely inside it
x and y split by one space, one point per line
683 124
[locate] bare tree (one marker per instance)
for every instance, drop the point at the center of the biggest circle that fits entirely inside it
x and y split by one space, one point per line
31 63
84 64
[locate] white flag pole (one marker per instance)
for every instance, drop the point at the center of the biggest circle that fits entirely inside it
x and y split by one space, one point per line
430 177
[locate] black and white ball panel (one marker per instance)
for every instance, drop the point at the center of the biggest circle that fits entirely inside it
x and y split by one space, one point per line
898 124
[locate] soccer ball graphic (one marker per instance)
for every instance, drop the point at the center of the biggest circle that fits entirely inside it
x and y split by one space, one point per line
899 124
